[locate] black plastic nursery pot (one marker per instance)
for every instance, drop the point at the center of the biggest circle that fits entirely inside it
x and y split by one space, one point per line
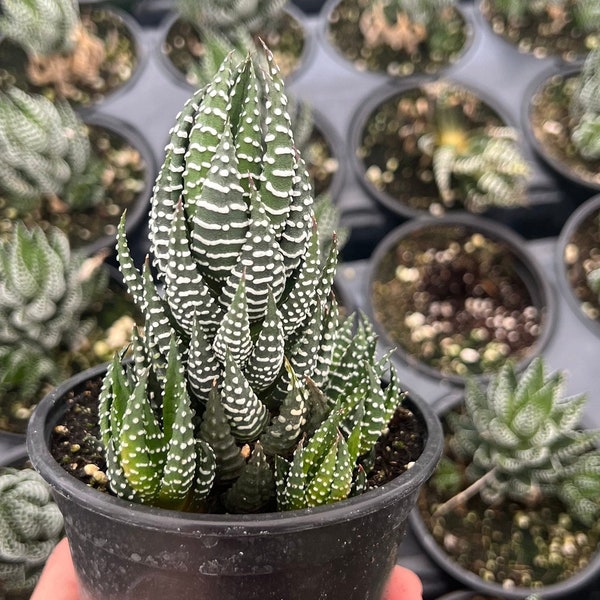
384 142
409 51
577 252
124 551
180 46
479 588
511 285
125 58
546 125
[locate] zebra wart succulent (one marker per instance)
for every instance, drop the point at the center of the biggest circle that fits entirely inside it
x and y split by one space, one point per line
520 440
30 526
44 293
61 50
244 380
478 167
585 108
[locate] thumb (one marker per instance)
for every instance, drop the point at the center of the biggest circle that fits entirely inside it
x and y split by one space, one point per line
58 580
403 584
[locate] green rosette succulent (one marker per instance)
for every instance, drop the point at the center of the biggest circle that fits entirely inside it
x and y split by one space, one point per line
44 148
30 526
244 381
520 440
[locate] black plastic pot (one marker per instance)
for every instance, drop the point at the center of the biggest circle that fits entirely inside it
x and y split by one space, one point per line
525 267
138 210
587 210
132 552
338 55
579 186
383 95
570 588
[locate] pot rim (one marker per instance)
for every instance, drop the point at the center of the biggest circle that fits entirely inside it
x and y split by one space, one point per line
554 591
49 411
471 41
565 72
539 287
385 93
571 225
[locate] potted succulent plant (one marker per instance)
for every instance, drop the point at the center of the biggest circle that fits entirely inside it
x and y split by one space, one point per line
458 297
58 314
564 28
279 24
561 118
79 51
512 509
578 262
245 393
58 170
396 37
30 522
435 147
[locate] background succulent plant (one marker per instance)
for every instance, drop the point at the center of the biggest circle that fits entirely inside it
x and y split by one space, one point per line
243 380
585 108
44 292
228 15
520 440
30 526
43 148
61 50
478 167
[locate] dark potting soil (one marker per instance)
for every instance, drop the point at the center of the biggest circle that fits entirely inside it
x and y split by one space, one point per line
551 33
552 126
454 300
118 66
581 256
415 50
75 441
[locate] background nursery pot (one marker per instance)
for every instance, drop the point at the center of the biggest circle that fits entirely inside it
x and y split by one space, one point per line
578 582
577 253
442 309
125 551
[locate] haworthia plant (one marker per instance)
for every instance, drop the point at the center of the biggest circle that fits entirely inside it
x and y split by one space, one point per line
585 108
520 439
44 147
477 167
244 381
44 292
30 526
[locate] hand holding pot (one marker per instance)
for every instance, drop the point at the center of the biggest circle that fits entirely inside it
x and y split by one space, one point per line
59 582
